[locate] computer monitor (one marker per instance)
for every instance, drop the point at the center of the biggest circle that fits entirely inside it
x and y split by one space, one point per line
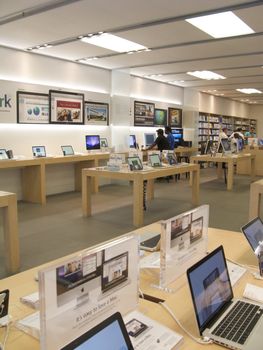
92 142
3 154
103 142
149 139
110 334
178 136
67 150
132 141
77 277
39 151
114 272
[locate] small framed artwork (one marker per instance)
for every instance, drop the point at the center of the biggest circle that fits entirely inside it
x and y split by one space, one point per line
143 113
66 107
175 117
160 117
96 113
32 108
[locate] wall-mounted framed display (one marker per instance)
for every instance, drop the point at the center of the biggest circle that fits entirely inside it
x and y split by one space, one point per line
175 117
143 113
32 107
66 107
160 117
96 113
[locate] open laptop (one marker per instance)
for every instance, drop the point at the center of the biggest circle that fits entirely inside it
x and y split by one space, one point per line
253 232
67 150
110 334
3 154
135 163
213 302
39 151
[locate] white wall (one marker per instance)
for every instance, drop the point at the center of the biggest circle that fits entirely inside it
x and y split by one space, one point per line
256 112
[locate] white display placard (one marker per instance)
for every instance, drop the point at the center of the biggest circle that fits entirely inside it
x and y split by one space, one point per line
83 290
183 243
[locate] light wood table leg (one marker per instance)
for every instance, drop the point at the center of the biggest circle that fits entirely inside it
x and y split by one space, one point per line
8 202
78 173
86 195
219 170
195 186
138 201
150 189
34 183
230 174
253 167
256 189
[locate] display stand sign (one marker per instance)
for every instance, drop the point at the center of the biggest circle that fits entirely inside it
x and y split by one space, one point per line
116 161
183 243
81 291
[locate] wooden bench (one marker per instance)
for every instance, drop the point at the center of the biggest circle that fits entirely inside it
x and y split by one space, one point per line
8 202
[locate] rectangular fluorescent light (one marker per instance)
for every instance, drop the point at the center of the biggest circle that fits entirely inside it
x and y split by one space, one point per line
249 91
206 74
221 25
113 42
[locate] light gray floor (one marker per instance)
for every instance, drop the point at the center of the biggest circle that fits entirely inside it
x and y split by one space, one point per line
48 232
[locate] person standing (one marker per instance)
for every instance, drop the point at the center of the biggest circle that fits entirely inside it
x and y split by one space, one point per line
170 138
161 142
251 132
223 134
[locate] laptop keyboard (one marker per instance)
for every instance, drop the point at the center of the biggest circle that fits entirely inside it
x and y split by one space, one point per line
239 322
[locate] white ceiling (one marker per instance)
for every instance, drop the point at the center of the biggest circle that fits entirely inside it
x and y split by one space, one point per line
177 46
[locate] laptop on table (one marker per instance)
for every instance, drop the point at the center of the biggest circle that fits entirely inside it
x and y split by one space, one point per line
235 324
110 334
253 232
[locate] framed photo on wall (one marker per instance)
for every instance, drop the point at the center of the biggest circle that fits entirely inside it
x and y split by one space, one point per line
143 113
160 117
32 108
175 116
96 113
66 107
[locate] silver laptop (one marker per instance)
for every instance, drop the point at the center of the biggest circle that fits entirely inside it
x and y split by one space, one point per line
253 232
235 324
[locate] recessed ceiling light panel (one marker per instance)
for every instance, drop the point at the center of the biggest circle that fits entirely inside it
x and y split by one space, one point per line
249 91
113 42
206 74
221 25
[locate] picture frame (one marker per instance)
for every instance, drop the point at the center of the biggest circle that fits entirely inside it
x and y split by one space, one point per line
32 107
96 113
66 107
175 116
160 117
143 113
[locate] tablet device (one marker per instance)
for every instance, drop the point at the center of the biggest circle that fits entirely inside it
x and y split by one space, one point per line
135 163
39 151
103 142
151 243
110 334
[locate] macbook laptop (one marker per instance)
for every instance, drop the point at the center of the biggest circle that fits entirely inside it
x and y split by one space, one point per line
110 334
3 154
235 324
67 150
39 151
253 232
134 163
155 160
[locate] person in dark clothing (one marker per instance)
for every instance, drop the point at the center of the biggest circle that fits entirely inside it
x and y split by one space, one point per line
170 137
161 142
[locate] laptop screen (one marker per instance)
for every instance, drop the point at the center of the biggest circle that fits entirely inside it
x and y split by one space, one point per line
253 232
67 150
110 334
210 287
114 271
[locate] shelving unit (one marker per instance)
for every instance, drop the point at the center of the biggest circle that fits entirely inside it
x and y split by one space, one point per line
209 126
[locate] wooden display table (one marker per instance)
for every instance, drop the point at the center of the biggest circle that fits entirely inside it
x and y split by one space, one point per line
236 248
245 168
33 172
138 178
11 240
230 160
